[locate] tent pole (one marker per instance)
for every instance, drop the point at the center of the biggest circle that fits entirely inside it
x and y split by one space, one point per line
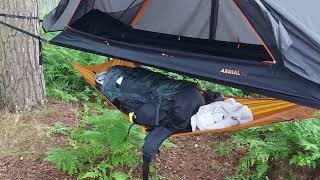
139 14
214 18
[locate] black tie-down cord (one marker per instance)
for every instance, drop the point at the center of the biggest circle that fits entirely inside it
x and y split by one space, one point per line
41 39
18 16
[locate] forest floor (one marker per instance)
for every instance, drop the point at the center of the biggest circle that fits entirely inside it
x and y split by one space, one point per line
23 144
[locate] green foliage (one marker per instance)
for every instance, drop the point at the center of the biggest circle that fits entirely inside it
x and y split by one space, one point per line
298 143
119 176
65 159
100 151
58 128
224 149
101 170
62 81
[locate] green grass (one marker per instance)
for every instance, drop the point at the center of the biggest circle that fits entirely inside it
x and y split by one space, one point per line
58 129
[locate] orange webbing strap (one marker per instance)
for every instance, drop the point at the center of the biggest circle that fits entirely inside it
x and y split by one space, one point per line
89 76
105 66
88 72
265 110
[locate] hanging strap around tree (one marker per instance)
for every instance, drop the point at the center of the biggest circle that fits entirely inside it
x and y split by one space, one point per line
24 31
19 17
41 39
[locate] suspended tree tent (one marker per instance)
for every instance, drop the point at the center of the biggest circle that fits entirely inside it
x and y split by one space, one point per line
269 47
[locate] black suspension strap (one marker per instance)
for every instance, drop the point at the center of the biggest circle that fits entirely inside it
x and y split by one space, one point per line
40 53
18 16
128 133
24 31
41 39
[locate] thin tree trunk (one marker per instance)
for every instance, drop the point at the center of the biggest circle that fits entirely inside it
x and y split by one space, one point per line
21 76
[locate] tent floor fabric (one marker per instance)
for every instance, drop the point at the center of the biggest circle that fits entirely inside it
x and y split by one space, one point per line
265 110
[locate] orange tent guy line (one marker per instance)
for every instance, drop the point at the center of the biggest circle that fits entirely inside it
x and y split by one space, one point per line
143 7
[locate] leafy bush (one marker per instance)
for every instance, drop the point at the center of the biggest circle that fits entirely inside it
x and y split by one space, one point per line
62 81
100 151
298 143
58 128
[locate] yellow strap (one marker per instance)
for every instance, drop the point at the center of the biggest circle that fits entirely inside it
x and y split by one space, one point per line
131 115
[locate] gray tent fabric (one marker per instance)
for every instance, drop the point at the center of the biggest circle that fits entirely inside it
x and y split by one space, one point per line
75 9
281 35
126 16
192 20
301 13
300 20
83 8
52 24
295 25
189 18
232 27
112 6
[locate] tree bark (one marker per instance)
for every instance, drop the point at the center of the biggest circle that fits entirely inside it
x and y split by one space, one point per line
21 77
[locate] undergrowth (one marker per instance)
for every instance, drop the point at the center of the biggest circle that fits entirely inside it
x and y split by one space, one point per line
98 149
62 81
224 150
100 152
297 143
58 128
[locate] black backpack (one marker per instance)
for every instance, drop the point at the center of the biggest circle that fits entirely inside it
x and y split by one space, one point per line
157 101
144 92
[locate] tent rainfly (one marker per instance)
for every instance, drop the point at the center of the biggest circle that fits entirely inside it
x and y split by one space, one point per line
271 47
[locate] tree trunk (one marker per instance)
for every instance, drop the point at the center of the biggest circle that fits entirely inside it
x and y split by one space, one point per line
21 77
